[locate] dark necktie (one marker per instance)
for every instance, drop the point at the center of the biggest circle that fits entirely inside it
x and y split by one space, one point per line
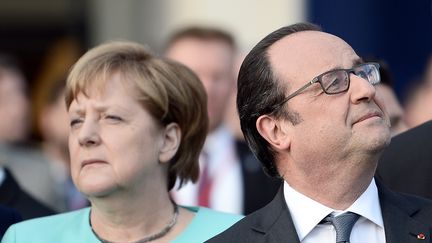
343 225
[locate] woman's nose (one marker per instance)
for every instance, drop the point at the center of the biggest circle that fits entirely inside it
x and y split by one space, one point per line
89 133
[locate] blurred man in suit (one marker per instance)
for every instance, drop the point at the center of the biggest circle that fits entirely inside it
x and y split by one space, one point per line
310 112
385 89
406 163
228 168
14 113
418 99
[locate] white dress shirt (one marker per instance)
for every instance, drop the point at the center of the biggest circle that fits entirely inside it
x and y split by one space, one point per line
224 169
307 213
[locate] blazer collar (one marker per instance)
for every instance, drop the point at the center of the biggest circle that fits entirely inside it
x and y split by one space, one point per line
9 189
274 221
398 212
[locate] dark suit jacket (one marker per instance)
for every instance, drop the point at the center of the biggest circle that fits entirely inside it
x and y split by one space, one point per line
258 188
14 197
406 164
8 216
404 218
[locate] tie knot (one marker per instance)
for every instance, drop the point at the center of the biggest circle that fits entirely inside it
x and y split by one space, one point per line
343 225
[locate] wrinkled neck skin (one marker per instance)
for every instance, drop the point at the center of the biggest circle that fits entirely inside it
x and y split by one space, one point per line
337 184
129 216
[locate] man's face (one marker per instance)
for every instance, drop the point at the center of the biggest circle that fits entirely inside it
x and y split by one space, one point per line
332 127
212 62
14 108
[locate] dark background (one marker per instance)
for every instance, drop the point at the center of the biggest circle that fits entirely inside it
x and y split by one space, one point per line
400 32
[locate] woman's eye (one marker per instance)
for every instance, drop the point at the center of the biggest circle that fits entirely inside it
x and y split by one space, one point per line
74 122
113 118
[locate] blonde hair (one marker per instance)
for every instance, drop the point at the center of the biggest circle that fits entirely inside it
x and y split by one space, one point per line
168 90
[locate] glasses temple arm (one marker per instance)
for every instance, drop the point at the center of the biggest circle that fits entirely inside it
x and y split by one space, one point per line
295 93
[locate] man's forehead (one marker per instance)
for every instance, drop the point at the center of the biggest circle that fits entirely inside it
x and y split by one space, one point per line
307 44
311 51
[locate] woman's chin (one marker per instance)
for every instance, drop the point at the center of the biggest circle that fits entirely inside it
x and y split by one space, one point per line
96 189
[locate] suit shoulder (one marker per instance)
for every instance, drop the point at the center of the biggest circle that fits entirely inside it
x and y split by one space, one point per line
414 199
419 207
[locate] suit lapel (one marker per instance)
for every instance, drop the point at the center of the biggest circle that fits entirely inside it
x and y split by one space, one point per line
274 222
397 214
9 189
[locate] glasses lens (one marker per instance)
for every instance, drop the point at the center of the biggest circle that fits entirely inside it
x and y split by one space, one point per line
335 82
369 72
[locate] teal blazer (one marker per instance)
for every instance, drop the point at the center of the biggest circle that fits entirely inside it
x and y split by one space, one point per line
74 227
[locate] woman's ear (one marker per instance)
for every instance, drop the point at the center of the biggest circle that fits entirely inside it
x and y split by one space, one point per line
273 132
171 142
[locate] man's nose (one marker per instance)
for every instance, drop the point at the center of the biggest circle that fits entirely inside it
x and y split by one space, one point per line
361 89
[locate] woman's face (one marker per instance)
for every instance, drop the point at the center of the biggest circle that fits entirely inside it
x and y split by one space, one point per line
115 144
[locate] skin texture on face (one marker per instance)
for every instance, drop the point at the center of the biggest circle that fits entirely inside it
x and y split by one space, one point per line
115 145
212 61
342 133
394 109
14 108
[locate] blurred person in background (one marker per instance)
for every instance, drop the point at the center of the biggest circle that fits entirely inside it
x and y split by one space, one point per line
386 90
405 165
42 168
419 99
8 216
14 104
53 124
230 179
137 124
14 113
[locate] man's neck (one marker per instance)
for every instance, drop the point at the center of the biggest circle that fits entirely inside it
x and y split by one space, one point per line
336 188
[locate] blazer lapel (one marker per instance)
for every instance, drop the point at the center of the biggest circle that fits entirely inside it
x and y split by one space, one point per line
397 214
9 189
274 222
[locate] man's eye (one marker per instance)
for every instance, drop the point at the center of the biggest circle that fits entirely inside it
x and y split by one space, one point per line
333 84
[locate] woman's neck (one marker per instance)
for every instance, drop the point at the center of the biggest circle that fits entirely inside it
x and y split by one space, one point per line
119 219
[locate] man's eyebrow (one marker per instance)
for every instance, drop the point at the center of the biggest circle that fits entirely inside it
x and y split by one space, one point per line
356 62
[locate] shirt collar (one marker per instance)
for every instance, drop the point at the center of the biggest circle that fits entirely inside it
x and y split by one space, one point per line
368 205
306 213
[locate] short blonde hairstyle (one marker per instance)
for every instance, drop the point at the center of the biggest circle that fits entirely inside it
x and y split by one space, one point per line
169 91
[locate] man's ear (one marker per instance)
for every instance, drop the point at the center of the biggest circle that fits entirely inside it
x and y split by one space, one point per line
273 131
171 142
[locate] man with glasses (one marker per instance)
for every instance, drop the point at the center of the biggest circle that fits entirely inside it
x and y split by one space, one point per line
309 111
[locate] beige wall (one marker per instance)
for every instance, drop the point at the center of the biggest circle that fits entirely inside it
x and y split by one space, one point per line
151 21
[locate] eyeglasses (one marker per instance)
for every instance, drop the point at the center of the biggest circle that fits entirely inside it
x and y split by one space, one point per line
338 80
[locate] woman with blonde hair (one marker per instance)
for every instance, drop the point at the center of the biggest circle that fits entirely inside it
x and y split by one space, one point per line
137 124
